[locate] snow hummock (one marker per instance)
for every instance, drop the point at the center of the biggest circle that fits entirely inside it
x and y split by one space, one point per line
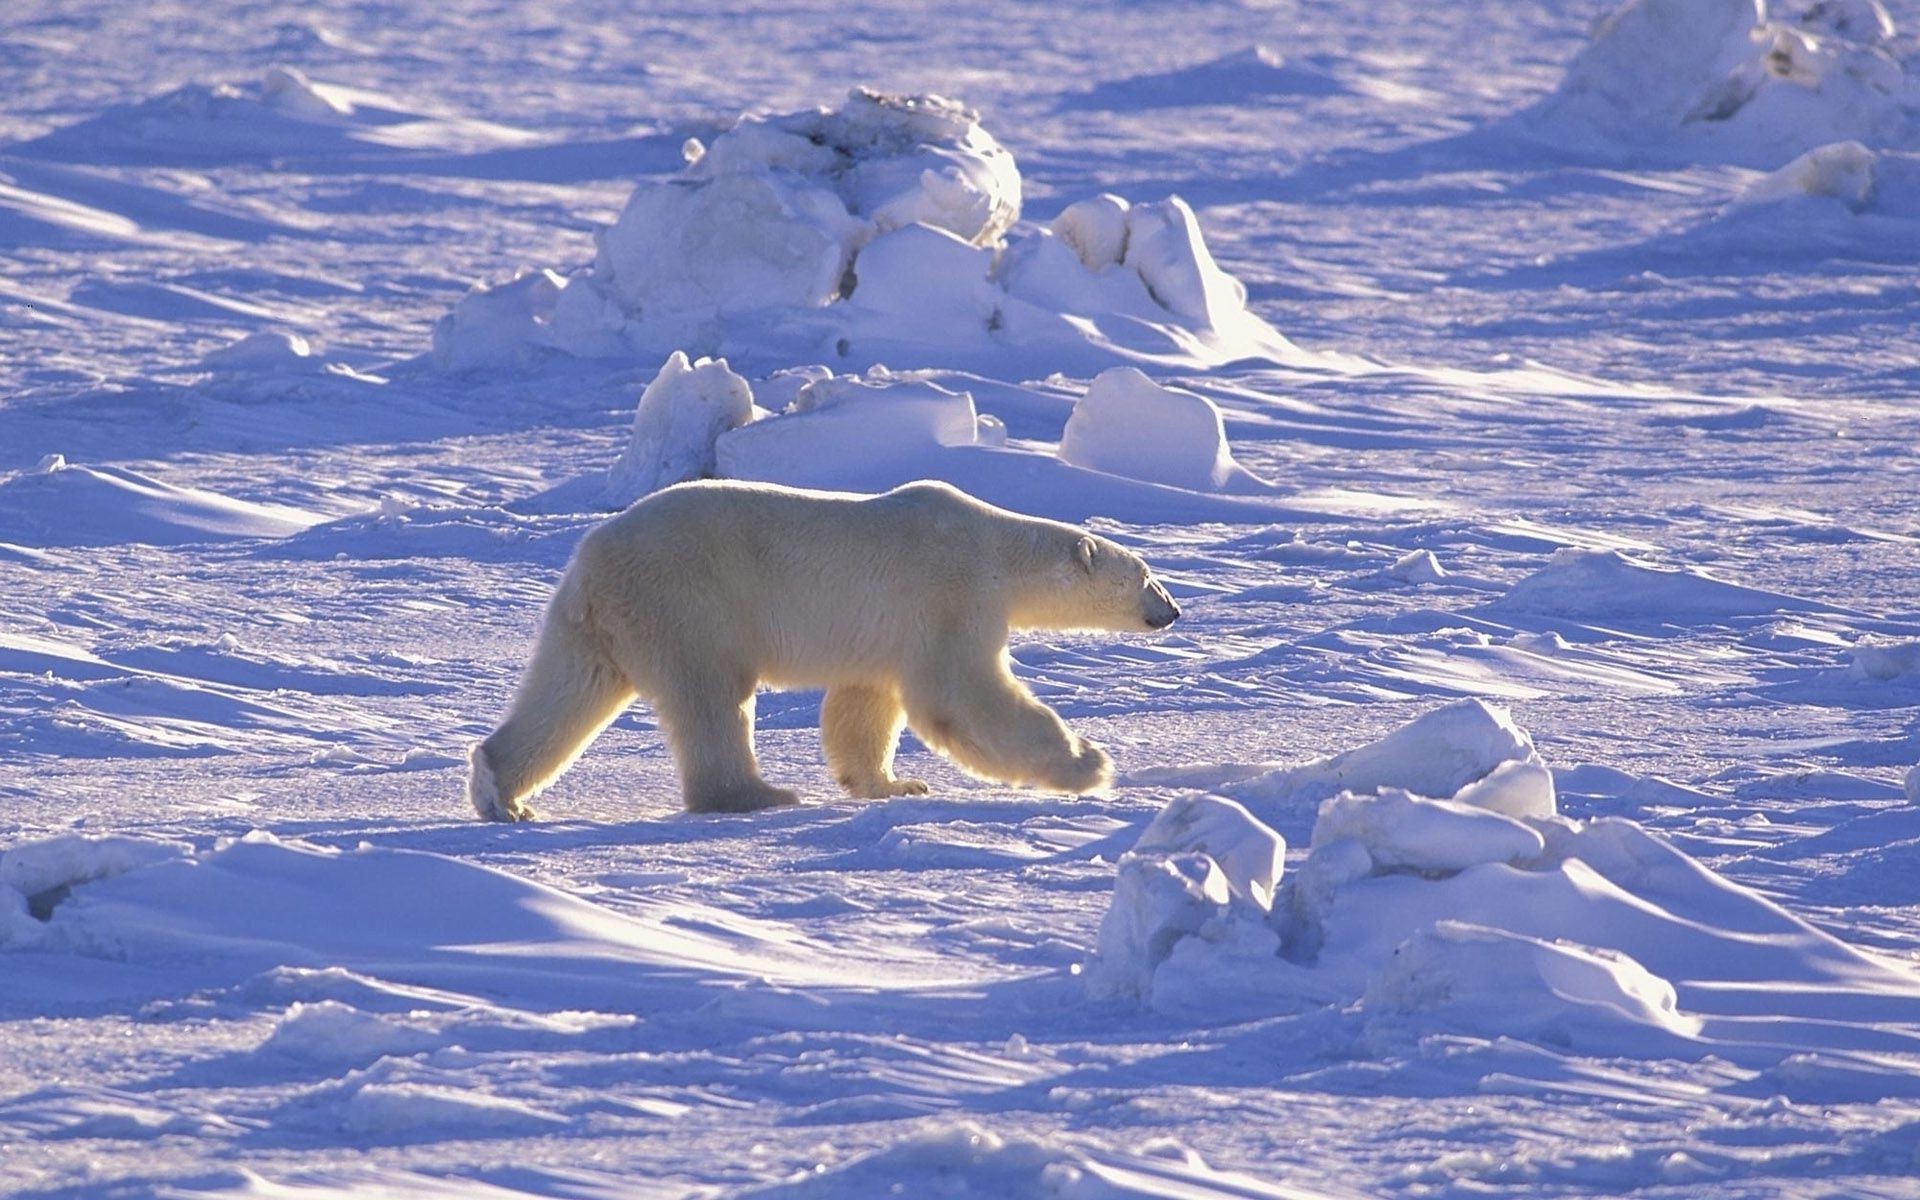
1746 81
1500 919
1885 659
882 230
1126 424
681 414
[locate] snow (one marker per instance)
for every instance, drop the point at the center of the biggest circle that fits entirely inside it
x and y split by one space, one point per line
1127 424
1746 81
1520 409
881 231
682 413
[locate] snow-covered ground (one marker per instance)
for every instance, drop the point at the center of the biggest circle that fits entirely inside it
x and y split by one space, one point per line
1520 400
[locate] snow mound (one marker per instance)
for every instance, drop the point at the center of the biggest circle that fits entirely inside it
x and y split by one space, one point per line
1491 978
283 115
1601 584
883 230
1126 424
36 876
1231 79
1883 661
681 414
1864 181
1437 754
967 1160
60 504
1423 912
1744 81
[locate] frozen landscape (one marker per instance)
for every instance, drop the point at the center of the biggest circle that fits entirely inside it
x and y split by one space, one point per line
1519 400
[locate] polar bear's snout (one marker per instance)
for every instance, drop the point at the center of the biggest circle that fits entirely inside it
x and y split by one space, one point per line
1161 610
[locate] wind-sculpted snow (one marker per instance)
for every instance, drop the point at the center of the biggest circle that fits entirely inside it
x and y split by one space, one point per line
1439 910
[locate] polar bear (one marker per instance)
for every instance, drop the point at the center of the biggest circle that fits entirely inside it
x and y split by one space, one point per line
898 605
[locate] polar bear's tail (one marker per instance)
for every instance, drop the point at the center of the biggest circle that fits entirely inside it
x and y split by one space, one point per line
571 691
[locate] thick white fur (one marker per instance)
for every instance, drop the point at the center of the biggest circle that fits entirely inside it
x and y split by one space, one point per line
899 605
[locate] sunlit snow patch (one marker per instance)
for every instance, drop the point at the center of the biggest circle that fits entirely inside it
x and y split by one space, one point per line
879 231
60 504
1746 81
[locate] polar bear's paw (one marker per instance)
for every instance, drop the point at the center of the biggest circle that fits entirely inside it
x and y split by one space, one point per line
745 797
483 792
881 789
1090 770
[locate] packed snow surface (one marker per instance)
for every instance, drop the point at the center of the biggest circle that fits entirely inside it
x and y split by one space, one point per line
1520 404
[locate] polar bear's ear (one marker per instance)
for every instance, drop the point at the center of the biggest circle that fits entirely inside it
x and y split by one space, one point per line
1083 552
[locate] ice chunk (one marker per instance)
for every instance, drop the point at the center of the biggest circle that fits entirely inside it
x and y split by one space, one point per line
1126 424
849 426
1165 248
883 229
1883 660
1157 900
1519 788
1402 831
774 212
1417 566
922 282
1095 229
1436 754
1248 853
681 414
1736 80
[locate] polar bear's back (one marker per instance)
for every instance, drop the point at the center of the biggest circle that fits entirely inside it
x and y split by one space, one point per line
809 588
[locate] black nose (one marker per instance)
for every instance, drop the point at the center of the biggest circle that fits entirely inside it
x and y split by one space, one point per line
1161 622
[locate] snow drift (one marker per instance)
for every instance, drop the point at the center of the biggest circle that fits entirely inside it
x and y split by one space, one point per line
880 231
58 503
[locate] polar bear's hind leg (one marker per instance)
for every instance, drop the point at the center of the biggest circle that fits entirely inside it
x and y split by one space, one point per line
571 692
859 727
709 725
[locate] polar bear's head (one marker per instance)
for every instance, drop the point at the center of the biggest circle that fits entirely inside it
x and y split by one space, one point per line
1099 584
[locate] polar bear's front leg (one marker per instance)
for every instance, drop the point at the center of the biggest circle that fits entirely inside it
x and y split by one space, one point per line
983 718
859 727
709 724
